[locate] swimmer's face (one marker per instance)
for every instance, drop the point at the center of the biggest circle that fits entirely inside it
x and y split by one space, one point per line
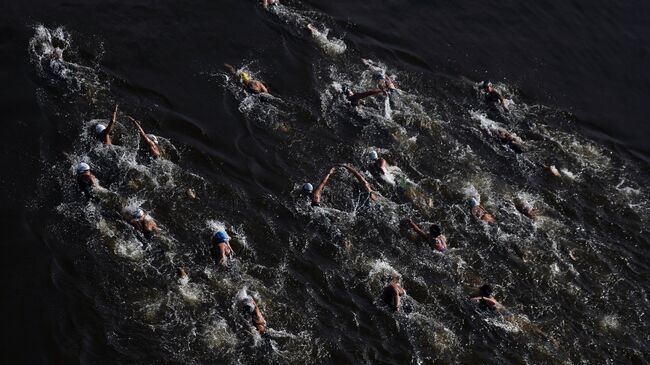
349 93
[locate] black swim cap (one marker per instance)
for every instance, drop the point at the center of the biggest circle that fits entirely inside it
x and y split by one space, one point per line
486 290
435 230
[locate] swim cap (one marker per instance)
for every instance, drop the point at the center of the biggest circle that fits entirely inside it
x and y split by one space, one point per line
473 202
221 236
244 75
138 213
308 188
82 167
435 230
99 128
373 155
486 290
153 138
378 76
486 84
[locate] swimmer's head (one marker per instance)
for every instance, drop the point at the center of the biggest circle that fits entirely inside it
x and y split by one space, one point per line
82 167
307 188
244 76
486 291
487 85
373 155
378 76
138 213
100 128
221 236
346 91
435 230
473 202
153 138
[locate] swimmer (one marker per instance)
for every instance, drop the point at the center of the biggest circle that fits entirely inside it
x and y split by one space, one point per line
356 98
379 167
268 3
384 81
479 212
552 170
525 208
144 223
361 180
256 315
149 139
493 97
392 293
252 86
434 236
486 300
508 138
221 241
104 132
315 194
85 178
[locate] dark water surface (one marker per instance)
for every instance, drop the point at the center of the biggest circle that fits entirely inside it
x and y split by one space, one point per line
79 286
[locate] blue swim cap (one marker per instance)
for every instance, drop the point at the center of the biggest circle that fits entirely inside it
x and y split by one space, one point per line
308 188
221 236
473 202
138 213
373 155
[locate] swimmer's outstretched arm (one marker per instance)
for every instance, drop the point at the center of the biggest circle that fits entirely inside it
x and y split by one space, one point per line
110 126
416 228
315 198
361 180
151 144
230 68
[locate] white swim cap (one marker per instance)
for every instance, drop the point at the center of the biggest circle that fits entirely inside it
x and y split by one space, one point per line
308 188
153 138
138 213
82 167
99 128
373 155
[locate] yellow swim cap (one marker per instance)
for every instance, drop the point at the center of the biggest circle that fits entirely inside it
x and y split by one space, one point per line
244 76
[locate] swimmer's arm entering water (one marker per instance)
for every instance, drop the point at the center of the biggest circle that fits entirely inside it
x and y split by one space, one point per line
106 138
230 68
361 180
416 228
315 198
153 148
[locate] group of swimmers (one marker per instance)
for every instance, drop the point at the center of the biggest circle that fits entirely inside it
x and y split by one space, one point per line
143 222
